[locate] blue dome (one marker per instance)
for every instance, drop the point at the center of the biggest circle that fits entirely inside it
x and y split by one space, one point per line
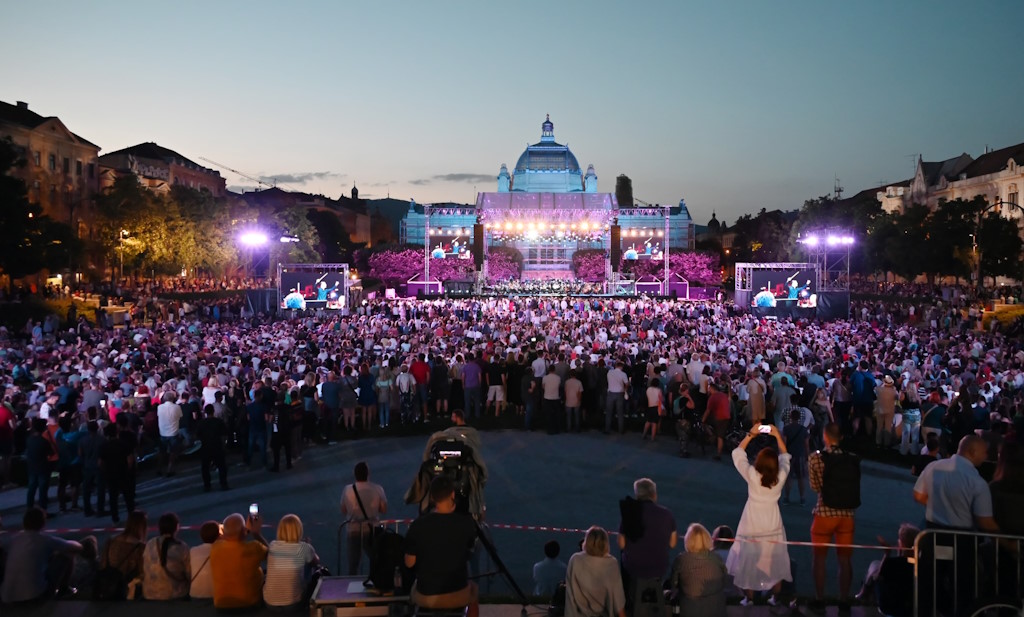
547 156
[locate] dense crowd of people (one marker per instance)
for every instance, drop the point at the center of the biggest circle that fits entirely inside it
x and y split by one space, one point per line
86 400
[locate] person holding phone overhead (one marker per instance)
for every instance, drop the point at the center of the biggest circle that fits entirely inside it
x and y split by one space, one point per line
235 562
758 559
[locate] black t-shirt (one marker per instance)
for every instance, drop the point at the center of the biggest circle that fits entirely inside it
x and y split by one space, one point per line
495 372
211 432
114 456
441 544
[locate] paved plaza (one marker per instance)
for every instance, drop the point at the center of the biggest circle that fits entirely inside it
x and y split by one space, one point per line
536 479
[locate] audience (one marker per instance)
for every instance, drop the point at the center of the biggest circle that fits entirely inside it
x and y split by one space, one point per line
548 572
593 583
235 563
699 576
199 557
289 559
166 565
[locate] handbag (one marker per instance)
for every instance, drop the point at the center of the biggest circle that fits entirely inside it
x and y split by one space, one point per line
110 583
374 529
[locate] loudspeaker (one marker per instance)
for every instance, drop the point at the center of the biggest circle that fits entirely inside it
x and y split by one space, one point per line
478 245
615 254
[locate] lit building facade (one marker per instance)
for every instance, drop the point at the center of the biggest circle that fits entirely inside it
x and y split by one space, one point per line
158 169
60 169
548 208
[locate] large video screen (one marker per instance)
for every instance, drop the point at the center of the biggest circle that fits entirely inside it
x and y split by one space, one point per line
641 244
311 288
783 291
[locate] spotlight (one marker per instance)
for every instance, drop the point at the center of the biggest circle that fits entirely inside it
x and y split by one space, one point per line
811 240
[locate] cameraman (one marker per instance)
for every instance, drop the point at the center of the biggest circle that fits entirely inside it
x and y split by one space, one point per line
437 548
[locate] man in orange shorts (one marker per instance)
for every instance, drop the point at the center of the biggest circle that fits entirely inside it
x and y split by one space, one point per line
835 476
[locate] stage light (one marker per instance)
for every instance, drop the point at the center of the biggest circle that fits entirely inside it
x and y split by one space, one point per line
559 234
253 238
811 240
585 225
532 234
562 226
508 225
847 240
519 225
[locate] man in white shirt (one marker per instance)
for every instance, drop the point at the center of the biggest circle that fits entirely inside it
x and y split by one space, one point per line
362 502
618 386
168 415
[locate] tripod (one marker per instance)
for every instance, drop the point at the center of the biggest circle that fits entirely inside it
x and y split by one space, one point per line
502 570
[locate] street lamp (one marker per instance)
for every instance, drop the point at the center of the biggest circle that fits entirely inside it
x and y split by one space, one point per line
120 246
978 250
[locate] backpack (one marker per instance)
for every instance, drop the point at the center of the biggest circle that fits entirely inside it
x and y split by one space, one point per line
557 606
387 552
840 480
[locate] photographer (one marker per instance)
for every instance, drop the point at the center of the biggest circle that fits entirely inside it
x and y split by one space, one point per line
235 563
437 548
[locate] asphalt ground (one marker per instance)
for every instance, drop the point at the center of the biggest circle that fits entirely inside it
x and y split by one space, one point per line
564 481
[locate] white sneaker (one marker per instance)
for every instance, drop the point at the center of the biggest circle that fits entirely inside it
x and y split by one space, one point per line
772 601
746 601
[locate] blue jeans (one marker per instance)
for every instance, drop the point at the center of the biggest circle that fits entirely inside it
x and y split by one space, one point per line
615 405
384 409
572 418
38 481
257 440
472 400
531 405
911 439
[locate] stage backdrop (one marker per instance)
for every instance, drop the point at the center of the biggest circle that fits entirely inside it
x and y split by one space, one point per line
313 286
784 292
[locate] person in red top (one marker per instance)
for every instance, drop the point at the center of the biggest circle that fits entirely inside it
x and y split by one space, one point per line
720 412
421 371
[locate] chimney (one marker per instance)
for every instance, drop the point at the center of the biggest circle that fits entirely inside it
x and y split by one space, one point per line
22 105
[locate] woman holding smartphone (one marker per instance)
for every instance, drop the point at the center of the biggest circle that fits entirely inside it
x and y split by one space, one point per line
759 559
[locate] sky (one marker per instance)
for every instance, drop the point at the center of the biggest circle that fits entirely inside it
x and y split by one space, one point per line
730 105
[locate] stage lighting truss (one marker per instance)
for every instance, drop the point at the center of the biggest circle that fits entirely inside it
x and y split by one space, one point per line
829 249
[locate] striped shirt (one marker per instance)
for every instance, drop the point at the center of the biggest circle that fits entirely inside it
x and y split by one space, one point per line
286 572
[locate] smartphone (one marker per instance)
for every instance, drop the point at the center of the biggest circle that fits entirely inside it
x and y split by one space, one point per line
764 428
254 509
103 402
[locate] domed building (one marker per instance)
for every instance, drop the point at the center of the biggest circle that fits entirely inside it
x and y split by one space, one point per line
548 208
547 167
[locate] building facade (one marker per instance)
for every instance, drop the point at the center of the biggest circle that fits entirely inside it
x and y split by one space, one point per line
548 208
996 176
158 169
61 168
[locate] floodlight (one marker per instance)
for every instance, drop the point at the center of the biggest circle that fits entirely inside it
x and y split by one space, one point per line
253 238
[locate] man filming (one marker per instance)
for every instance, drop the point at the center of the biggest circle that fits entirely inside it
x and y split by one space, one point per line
437 547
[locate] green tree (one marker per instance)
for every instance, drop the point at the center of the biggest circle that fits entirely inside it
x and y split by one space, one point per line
29 240
1000 239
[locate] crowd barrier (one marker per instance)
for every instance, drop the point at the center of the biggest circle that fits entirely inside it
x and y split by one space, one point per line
963 572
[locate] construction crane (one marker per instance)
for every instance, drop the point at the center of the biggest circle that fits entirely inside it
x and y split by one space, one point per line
260 183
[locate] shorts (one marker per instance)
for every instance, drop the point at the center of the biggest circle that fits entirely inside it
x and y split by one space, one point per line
798 468
496 394
832 529
721 428
651 414
863 410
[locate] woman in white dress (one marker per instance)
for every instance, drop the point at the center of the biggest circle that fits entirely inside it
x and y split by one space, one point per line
759 559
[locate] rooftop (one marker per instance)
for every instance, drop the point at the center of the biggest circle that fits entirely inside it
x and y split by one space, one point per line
21 115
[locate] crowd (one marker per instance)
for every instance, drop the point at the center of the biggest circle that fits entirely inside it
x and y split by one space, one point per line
87 401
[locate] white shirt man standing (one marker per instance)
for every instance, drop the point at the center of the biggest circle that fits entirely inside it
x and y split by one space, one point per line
168 415
618 387
362 502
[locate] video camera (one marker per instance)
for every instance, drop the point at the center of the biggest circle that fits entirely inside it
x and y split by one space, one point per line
453 458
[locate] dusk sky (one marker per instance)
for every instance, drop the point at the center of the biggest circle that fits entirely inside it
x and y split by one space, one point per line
732 106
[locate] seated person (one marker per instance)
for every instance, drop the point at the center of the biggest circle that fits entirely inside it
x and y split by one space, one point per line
235 563
199 556
166 568
890 580
549 572
593 582
698 576
289 560
723 537
437 548
35 564
124 551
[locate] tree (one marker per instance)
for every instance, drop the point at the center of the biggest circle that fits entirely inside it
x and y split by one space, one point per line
589 265
29 240
624 191
1002 246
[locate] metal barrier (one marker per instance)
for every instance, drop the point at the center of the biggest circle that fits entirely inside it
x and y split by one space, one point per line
963 571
